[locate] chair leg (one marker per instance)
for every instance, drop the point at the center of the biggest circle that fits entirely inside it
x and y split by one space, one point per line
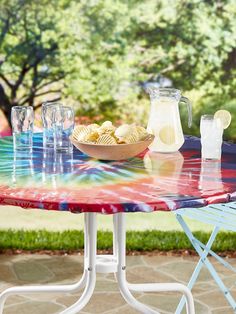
203 261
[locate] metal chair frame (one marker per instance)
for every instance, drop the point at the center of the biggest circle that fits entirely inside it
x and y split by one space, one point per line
221 216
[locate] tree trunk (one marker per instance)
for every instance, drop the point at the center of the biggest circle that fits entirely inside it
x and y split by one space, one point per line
5 104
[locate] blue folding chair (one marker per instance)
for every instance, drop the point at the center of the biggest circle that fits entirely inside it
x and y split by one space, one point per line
222 216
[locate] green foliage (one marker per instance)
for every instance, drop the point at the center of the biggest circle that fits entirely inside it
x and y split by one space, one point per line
102 51
148 240
32 44
191 42
209 105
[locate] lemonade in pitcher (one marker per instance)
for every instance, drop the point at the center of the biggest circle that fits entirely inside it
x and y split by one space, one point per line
164 119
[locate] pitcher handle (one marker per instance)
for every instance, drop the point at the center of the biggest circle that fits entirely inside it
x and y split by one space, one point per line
189 107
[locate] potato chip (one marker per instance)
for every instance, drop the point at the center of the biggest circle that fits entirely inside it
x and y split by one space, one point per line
106 128
77 130
106 139
93 126
91 137
131 138
80 132
123 130
142 132
107 124
108 134
127 133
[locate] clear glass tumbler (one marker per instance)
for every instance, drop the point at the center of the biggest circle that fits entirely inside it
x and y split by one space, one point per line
210 181
22 120
23 167
50 113
64 128
211 130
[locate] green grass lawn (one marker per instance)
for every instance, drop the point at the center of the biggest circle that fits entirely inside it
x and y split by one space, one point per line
148 240
38 229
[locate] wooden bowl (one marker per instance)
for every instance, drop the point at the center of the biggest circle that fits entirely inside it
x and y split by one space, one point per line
113 152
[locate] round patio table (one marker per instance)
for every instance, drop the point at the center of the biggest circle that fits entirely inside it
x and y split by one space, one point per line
79 184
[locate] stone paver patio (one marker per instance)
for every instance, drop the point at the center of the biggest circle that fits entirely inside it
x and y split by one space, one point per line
35 268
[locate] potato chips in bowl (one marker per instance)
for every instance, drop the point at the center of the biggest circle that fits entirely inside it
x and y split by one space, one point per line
108 142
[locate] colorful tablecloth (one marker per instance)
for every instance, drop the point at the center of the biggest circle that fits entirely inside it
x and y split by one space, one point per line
151 181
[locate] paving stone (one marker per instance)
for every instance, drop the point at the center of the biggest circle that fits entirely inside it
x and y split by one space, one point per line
223 270
168 302
230 281
223 310
67 300
190 258
233 291
106 298
5 259
106 285
34 308
6 274
201 287
99 303
134 261
183 270
45 297
214 299
110 277
155 261
123 310
32 272
231 260
146 274
65 269
15 299
102 302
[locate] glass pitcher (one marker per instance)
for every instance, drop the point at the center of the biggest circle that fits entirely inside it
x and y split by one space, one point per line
164 119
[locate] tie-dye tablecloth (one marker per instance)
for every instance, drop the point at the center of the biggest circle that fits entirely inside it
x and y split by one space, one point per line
152 181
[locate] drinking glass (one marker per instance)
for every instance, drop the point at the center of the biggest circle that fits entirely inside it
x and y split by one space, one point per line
64 128
63 162
22 120
23 167
210 181
50 113
48 167
211 130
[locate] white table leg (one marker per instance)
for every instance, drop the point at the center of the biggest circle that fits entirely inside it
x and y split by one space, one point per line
125 287
115 263
88 278
90 263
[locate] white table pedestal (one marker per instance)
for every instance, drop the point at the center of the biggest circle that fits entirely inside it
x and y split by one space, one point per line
94 263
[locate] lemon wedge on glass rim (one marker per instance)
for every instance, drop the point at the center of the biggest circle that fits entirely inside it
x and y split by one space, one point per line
224 116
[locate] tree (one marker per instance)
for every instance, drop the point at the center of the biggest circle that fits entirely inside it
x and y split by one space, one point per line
101 63
31 44
192 42
96 53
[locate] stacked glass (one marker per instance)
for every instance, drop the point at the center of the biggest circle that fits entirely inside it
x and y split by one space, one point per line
58 124
22 120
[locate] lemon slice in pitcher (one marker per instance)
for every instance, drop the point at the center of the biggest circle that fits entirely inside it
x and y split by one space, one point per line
167 135
224 116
